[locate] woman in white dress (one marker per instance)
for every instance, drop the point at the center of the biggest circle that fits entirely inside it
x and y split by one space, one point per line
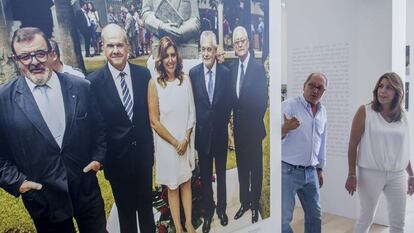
380 146
172 115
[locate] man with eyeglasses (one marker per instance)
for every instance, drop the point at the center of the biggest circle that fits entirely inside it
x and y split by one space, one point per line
52 141
211 84
249 106
304 153
122 91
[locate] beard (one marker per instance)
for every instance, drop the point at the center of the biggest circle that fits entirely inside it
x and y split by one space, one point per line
38 79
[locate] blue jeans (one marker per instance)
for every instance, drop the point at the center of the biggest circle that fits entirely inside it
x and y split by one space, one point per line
304 183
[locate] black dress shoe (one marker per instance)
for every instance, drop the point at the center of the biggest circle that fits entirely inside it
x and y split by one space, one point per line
255 216
224 220
207 225
240 212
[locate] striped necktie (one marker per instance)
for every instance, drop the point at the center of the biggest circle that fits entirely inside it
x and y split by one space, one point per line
126 97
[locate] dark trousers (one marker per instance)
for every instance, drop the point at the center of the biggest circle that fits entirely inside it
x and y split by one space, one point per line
87 36
249 157
91 220
206 172
134 194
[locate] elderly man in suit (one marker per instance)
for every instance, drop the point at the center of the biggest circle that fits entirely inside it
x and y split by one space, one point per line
121 90
84 26
211 83
52 141
250 103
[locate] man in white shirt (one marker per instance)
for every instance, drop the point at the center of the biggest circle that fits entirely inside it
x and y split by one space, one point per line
59 66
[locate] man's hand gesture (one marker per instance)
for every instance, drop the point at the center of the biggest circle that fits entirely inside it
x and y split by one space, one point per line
289 124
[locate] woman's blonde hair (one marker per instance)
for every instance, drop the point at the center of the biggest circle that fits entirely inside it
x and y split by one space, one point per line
396 104
164 44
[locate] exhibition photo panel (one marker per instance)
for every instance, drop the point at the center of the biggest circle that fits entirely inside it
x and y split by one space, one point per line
139 116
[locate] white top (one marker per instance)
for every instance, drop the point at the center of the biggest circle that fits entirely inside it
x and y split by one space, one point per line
384 146
73 71
177 114
245 63
51 106
117 79
93 17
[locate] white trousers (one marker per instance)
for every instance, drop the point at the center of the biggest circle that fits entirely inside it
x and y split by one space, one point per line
370 185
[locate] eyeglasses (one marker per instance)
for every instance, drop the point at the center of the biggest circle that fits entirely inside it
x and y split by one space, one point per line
242 41
27 58
320 89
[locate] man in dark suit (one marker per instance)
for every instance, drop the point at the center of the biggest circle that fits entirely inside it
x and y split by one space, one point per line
121 90
212 96
84 26
51 138
250 103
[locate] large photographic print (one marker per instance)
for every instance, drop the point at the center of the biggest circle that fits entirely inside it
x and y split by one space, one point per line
163 110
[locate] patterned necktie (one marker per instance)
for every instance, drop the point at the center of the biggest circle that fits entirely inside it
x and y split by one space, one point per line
210 88
241 77
126 97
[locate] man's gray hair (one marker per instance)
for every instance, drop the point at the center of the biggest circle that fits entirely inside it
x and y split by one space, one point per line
208 36
316 74
113 28
242 30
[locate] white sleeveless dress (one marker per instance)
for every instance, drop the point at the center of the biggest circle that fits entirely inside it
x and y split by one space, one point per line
177 114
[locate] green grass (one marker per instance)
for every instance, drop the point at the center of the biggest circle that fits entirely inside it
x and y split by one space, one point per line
15 219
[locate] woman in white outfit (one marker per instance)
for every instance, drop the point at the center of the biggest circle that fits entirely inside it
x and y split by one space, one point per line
379 146
172 115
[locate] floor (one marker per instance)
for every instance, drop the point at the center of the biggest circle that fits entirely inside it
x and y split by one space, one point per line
336 224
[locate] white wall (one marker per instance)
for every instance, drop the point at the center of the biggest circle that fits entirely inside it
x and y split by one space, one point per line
353 42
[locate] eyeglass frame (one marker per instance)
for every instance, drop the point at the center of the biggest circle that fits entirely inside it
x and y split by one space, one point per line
320 89
243 41
32 54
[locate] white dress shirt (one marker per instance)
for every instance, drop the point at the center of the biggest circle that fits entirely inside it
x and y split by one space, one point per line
117 79
245 62
73 71
52 108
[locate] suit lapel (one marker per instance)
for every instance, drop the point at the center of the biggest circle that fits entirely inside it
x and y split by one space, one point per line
26 102
234 78
247 76
217 84
203 83
70 101
135 88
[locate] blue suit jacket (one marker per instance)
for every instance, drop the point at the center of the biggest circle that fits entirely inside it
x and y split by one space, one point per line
28 150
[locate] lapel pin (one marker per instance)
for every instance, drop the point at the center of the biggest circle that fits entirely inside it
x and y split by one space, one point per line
73 96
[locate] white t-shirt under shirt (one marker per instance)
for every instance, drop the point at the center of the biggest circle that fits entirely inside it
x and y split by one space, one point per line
384 145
